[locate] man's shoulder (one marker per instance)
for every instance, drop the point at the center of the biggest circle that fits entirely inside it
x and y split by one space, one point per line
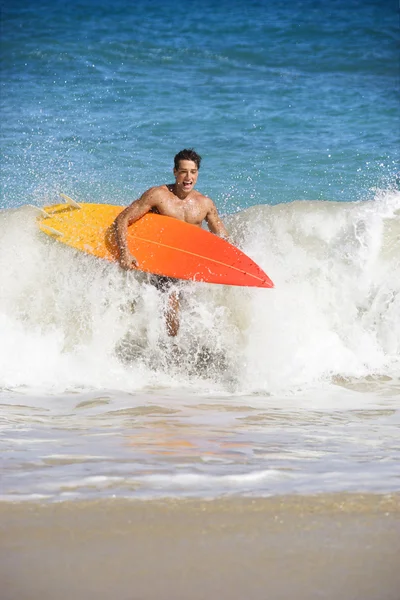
157 192
157 189
205 200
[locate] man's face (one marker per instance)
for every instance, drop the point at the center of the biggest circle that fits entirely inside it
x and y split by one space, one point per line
186 175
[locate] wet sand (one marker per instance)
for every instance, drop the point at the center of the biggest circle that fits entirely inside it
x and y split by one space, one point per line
323 547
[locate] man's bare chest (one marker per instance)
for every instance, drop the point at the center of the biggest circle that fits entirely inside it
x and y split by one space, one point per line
190 210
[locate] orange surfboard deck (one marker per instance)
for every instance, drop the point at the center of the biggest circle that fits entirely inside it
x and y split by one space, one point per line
162 245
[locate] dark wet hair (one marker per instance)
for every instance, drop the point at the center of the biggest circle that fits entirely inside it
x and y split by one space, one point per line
187 154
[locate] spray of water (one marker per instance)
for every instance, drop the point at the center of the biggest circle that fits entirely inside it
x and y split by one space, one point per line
70 321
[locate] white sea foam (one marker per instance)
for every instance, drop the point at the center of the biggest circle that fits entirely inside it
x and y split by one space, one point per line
334 311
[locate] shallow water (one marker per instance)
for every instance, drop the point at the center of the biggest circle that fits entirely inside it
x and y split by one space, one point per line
175 444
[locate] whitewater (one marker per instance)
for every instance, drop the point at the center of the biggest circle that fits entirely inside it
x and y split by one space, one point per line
261 391
335 310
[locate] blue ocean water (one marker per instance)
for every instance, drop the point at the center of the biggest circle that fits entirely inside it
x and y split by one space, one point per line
294 107
284 100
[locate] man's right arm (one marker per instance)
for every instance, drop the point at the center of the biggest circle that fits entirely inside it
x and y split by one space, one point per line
129 215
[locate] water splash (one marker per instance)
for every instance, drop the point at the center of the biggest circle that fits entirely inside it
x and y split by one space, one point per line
71 321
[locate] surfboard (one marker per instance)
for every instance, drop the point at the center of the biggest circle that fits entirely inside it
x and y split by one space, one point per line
162 245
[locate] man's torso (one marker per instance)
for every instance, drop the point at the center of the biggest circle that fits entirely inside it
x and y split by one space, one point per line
192 209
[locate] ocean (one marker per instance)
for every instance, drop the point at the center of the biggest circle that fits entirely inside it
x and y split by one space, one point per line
290 393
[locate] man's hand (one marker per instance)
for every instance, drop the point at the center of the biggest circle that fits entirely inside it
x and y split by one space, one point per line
127 260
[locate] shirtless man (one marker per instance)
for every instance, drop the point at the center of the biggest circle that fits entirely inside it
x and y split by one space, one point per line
179 200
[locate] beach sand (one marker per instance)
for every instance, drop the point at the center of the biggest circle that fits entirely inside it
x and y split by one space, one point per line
328 547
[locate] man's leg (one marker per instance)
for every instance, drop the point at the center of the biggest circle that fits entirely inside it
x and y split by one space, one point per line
172 314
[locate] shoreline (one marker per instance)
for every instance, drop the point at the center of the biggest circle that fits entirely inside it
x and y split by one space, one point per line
325 546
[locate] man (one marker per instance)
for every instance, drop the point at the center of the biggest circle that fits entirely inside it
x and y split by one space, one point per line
179 200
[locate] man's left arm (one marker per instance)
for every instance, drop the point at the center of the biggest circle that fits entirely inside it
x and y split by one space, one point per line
215 223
